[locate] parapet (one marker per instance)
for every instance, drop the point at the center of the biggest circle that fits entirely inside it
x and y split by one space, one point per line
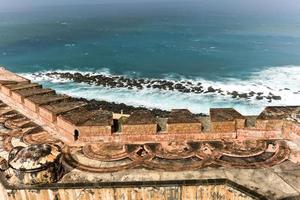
79 120
182 121
35 101
273 117
52 110
32 167
291 113
19 95
226 120
85 123
8 89
140 122
9 77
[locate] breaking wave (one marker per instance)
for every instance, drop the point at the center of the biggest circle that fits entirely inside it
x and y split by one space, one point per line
282 81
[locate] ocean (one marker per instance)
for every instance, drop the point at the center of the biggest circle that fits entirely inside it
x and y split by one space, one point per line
228 49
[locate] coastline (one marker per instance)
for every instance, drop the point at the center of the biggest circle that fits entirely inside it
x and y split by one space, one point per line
249 96
183 86
126 109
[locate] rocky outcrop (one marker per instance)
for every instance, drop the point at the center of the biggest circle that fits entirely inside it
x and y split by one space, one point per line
160 84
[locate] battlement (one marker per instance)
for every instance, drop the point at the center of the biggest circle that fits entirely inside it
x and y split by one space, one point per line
78 123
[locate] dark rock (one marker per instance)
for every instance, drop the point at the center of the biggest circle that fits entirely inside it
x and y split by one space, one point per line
276 97
259 97
126 109
234 94
251 93
211 89
243 95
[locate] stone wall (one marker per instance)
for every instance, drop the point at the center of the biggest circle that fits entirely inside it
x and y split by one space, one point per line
90 131
17 97
143 129
223 192
83 131
240 123
269 124
31 105
184 128
66 126
229 126
47 115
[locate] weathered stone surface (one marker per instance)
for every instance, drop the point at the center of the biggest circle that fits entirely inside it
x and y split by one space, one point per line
35 164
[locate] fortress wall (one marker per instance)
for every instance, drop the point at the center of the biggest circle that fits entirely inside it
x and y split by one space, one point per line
269 124
264 129
65 125
181 192
290 130
274 125
31 105
240 123
157 138
5 90
84 131
261 124
10 76
226 126
258 134
68 136
88 131
47 115
184 128
17 97
220 130
143 129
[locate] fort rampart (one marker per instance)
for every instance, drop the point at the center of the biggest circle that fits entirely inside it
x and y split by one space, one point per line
76 124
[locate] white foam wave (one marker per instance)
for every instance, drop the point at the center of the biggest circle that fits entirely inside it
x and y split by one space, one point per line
283 81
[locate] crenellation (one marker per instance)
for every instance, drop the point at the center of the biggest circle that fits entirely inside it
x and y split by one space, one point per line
34 102
50 111
182 121
63 112
8 89
84 123
140 123
20 95
226 120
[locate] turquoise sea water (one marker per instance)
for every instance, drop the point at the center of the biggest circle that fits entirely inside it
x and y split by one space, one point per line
229 49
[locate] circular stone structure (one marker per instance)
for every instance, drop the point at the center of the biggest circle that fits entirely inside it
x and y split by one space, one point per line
36 164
